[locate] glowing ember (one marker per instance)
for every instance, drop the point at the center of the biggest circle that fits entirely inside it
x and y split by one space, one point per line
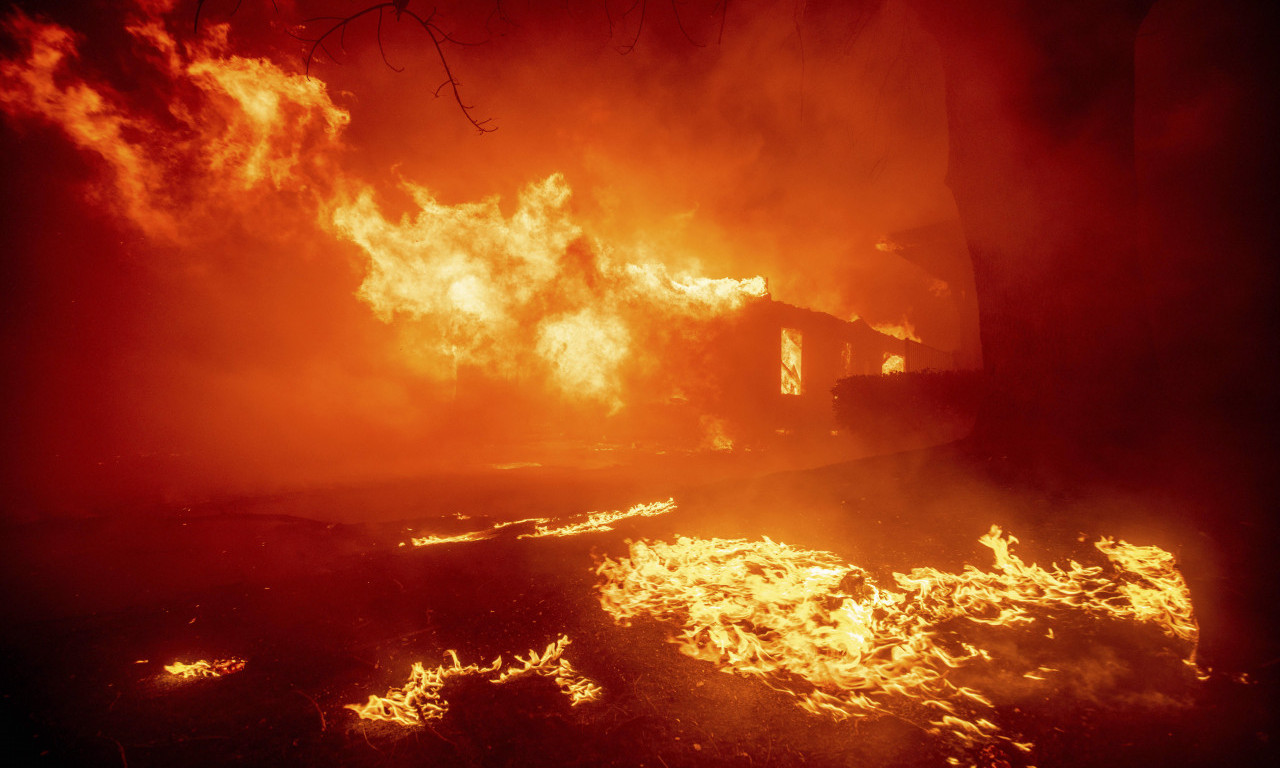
419 699
893 364
602 521
202 668
823 631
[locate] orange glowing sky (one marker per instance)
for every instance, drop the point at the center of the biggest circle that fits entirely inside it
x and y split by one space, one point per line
190 303
183 312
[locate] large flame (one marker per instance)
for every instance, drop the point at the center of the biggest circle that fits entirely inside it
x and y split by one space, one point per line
524 294
244 143
238 131
823 631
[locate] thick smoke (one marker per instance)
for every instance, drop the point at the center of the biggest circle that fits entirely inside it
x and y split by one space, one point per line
207 322
184 316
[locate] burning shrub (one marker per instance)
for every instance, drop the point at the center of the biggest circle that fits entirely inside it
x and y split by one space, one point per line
823 631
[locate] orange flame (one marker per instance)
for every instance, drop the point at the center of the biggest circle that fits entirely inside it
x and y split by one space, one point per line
419 700
241 125
602 521
528 297
903 330
786 614
792 383
202 668
590 522
529 292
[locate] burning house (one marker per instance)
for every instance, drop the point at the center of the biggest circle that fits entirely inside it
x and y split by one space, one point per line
771 366
336 434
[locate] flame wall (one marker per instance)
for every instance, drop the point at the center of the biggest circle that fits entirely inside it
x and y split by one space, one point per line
188 310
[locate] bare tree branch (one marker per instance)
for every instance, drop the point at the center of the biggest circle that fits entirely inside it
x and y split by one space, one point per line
200 7
399 8
480 125
644 6
382 51
675 9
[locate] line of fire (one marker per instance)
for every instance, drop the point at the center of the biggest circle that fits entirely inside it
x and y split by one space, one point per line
879 383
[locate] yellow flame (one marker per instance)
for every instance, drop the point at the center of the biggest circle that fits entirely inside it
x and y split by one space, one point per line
823 631
585 350
549 663
524 293
603 521
202 668
426 541
527 297
903 330
235 125
893 364
419 699
792 345
590 522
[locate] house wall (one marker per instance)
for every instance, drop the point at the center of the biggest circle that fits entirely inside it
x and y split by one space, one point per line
746 359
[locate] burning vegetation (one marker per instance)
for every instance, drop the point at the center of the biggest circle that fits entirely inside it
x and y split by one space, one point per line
846 647
419 700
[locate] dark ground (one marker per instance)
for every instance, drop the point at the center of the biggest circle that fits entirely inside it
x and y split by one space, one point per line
327 613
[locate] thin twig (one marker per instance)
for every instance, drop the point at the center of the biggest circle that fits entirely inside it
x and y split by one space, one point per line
450 80
382 52
644 6
319 711
675 9
400 9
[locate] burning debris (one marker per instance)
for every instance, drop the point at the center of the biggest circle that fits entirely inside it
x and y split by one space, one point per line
602 521
202 668
826 633
426 541
419 700
591 522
